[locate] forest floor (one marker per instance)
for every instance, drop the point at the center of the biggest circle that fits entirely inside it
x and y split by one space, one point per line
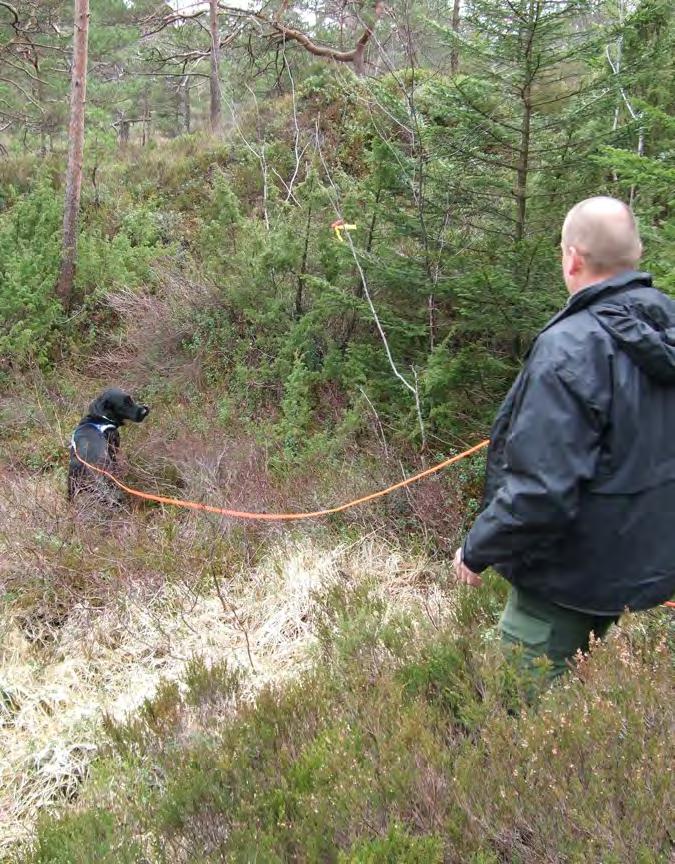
99 608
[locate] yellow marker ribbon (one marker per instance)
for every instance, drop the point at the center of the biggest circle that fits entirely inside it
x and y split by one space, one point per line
340 225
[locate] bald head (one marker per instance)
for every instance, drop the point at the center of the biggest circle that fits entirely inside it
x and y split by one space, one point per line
603 232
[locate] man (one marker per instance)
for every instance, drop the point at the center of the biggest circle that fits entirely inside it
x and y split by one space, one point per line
579 511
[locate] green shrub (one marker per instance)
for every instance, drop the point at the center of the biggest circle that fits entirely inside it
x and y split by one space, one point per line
30 314
32 321
398 847
402 744
82 838
296 409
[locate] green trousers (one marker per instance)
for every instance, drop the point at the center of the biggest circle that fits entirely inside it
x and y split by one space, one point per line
545 629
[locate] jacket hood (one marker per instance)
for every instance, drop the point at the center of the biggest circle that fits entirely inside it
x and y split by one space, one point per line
642 323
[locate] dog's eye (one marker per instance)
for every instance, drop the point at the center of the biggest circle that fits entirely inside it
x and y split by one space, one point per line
127 400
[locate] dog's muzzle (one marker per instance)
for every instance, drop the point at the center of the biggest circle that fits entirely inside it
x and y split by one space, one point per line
143 412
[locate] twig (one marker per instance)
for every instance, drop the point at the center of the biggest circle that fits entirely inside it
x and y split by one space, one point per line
377 420
296 138
228 608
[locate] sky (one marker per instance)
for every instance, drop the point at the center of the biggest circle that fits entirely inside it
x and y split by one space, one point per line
191 5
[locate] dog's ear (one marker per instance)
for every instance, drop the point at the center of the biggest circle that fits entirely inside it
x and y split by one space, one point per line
104 405
97 408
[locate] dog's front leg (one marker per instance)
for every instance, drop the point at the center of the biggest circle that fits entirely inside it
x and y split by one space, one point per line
113 441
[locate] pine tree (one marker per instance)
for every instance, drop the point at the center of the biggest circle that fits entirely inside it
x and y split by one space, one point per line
639 166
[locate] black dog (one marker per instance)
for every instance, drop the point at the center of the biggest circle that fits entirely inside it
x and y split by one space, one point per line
97 440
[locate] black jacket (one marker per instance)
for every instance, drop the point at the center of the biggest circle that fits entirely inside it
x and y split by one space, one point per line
580 484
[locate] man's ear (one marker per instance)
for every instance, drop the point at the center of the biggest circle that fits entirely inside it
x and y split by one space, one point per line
576 261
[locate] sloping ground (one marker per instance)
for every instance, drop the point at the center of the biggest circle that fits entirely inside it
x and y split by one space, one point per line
373 719
407 740
75 646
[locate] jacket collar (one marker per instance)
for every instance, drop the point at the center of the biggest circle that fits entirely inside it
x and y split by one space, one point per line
587 296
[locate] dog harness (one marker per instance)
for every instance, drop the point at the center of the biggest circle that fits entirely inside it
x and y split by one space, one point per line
101 427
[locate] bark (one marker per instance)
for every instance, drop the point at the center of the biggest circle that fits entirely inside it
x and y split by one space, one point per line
523 162
432 322
216 94
185 104
523 165
64 286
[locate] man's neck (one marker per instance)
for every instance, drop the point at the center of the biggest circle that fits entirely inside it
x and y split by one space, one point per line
588 280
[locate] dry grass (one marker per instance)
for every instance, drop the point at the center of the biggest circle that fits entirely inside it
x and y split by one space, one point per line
76 645
96 608
155 324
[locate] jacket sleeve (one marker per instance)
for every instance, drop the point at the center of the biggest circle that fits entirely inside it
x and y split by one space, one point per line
551 449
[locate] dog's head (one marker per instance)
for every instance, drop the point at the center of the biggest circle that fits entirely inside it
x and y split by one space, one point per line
117 406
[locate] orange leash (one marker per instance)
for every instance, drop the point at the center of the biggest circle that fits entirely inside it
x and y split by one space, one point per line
278 517
288 517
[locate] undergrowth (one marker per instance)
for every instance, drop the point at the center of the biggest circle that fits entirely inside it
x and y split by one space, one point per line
407 741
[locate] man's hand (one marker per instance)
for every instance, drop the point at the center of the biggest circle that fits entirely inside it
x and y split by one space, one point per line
462 572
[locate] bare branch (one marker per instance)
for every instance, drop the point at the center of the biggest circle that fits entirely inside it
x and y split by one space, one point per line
24 70
13 11
169 20
285 32
296 137
23 92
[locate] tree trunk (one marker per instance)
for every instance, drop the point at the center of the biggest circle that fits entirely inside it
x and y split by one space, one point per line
185 98
454 56
527 34
432 322
146 119
523 164
39 97
216 95
124 128
78 91
303 266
